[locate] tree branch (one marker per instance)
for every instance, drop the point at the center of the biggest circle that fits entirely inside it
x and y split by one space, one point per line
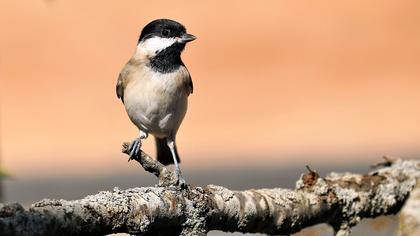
410 215
340 200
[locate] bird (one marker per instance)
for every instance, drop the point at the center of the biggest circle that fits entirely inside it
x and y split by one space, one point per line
154 86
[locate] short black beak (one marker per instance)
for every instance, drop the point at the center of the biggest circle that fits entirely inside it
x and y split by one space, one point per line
188 38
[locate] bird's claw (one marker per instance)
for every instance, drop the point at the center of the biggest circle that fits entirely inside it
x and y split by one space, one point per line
179 180
134 149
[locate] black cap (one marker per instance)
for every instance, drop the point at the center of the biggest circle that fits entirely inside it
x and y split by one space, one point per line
163 28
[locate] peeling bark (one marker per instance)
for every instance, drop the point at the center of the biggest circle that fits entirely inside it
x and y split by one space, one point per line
339 199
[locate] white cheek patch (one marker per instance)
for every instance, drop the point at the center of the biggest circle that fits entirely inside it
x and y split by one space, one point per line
155 44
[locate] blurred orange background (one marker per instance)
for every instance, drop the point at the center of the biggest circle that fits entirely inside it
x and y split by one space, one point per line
275 83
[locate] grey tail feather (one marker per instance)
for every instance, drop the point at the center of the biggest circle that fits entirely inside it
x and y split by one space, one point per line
163 152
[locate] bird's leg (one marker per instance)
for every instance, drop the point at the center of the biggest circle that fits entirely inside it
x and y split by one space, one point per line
135 146
179 179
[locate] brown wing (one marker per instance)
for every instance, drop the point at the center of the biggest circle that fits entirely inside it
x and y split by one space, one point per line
187 80
120 88
190 84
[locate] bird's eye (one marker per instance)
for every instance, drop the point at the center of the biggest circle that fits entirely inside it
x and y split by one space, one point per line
166 32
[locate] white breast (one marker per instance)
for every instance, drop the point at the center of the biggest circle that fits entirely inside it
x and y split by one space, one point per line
156 103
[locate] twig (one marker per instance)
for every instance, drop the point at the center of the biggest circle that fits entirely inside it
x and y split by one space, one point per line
386 162
165 176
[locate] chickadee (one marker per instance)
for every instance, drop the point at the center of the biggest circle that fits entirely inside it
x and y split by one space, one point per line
154 87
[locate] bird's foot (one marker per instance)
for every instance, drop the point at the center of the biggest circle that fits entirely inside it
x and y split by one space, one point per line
134 149
179 180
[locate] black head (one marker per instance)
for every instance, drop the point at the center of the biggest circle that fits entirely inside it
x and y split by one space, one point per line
165 28
162 41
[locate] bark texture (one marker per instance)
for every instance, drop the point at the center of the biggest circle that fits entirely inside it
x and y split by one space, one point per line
410 215
339 199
